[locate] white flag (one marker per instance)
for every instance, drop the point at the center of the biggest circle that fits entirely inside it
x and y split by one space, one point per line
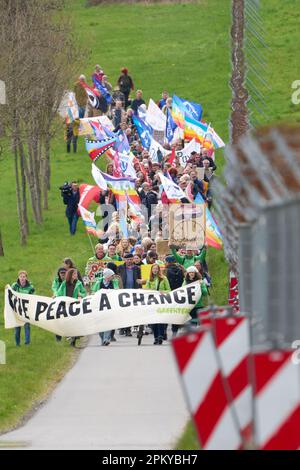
126 164
185 153
156 151
172 190
97 175
155 117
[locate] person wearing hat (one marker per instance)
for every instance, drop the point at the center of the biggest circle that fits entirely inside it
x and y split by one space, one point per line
189 258
175 276
23 286
117 283
106 282
193 275
59 278
130 274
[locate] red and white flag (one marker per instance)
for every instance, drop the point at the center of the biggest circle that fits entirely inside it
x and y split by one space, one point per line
204 388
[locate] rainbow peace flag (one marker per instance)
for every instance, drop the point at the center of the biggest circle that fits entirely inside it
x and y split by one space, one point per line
182 108
213 236
89 221
122 187
178 112
214 138
135 210
194 130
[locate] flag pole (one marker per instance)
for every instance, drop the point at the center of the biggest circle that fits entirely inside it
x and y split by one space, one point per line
93 249
208 126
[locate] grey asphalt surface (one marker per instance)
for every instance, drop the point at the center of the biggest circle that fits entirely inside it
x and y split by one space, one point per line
121 396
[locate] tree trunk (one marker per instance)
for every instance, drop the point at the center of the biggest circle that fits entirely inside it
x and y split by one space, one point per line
23 235
44 177
47 159
33 179
239 115
23 195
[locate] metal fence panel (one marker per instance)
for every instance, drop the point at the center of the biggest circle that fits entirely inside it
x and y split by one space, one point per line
276 275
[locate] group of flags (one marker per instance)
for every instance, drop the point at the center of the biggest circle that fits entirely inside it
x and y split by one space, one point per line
183 120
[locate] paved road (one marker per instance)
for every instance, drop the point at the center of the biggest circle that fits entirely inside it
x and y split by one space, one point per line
116 397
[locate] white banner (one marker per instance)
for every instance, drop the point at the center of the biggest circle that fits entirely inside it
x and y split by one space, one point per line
105 310
185 153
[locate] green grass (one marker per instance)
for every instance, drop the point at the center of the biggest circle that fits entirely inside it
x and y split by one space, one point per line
183 48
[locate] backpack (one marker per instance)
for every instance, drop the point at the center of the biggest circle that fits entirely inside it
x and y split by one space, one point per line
125 84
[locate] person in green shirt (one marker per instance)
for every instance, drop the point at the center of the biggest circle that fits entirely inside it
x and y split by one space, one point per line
23 286
157 281
59 278
99 256
72 287
193 275
116 279
189 258
111 253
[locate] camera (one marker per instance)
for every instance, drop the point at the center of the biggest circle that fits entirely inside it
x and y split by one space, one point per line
66 189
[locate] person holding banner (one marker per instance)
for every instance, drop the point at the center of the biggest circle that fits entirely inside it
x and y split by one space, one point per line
58 280
107 281
23 286
175 275
72 287
117 284
157 281
130 274
193 275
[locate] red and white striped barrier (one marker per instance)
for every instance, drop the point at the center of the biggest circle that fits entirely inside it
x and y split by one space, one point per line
232 341
204 388
277 402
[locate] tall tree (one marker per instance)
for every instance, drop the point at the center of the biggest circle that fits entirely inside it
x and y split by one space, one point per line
38 60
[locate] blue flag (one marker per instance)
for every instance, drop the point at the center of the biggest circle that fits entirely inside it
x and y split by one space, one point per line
103 90
193 110
170 127
144 131
122 144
